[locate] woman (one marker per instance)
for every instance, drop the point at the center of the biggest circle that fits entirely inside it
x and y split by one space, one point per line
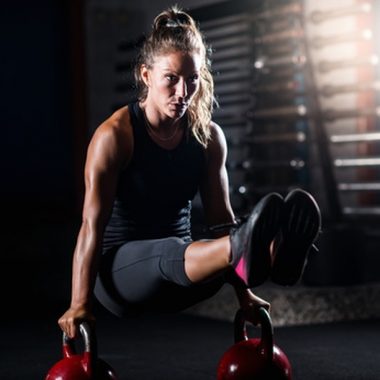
144 166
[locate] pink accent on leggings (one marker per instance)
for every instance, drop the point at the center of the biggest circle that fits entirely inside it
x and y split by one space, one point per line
241 270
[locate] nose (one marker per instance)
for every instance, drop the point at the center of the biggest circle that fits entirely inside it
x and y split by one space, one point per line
181 90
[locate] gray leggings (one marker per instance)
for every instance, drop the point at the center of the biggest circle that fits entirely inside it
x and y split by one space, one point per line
149 275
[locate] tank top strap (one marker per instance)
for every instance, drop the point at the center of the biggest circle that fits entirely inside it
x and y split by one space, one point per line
137 120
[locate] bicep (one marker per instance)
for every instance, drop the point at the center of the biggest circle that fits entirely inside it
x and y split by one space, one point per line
101 175
215 184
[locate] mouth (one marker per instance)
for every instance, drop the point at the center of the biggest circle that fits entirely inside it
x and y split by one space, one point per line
180 107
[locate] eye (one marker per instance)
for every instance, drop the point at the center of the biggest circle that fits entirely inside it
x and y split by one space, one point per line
194 78
171 78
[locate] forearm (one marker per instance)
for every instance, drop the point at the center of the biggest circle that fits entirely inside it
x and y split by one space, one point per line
85 267
247 299
239 286
220 230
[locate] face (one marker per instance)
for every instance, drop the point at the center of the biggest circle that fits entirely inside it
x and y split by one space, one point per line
172 83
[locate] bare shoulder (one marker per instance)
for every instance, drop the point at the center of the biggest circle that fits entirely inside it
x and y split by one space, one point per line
216 131
117 126
114 137
218 139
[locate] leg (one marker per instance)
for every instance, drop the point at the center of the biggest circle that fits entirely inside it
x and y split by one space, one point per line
150 275
247 249
297 222
205 259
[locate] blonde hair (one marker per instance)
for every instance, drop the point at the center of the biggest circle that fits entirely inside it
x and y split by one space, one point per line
175 30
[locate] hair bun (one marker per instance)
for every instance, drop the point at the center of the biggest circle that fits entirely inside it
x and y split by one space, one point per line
172 18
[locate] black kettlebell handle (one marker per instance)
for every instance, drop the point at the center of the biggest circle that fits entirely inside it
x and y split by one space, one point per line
266 341
89 338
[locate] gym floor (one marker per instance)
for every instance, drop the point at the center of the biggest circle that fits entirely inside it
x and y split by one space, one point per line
184 347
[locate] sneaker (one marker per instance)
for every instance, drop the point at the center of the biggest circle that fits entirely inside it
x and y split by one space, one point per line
300 227
251 241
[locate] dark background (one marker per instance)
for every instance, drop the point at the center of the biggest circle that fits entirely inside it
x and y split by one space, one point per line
42 148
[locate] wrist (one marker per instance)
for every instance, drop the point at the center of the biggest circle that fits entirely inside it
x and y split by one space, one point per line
84 305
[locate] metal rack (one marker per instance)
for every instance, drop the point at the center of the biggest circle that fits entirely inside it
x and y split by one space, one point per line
350 109
263 80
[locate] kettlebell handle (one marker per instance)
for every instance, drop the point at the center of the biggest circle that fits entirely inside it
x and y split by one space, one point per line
266 341
89 339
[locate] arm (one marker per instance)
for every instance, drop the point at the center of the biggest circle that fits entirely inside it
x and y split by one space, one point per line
214 189
218 210
105 158
248 301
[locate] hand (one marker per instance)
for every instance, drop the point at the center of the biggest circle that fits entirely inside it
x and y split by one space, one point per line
250 305
71 319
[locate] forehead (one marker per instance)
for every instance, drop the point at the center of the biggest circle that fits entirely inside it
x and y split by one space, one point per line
178 61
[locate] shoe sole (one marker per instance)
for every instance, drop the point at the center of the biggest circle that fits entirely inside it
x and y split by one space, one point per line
300 227
266 225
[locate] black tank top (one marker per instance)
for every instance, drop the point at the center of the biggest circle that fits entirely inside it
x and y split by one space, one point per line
154 192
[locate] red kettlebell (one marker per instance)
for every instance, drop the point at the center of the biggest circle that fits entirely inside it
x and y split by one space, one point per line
85 366
254 359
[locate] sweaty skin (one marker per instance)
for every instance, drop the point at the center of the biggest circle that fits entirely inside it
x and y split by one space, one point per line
172 82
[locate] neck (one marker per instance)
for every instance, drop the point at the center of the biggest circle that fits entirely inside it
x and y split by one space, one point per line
165 131
158 120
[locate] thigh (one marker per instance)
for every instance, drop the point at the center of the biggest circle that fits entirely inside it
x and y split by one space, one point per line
131 280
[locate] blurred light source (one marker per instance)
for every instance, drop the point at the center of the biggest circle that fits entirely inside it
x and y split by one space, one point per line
366 7
301 109
301 136
374 59
367 34
259 64
297 164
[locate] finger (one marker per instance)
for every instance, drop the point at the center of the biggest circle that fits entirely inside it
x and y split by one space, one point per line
63 326
74 330
266 306
69 329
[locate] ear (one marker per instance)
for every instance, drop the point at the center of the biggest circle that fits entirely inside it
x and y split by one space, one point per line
145 74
